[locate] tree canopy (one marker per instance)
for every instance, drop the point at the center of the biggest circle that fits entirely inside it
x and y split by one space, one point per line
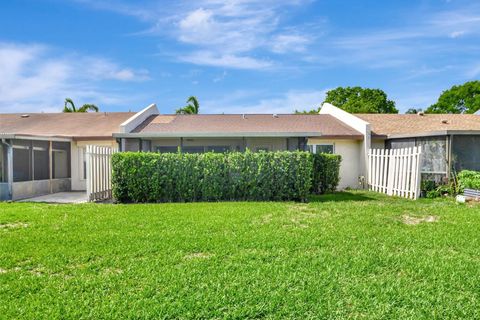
361 100
192 107
413 111
69 106
463 98
313 111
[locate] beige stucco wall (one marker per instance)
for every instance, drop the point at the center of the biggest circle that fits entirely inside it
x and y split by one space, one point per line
78 183
351 166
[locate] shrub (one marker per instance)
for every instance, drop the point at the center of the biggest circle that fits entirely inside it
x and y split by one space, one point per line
469 180
179 177
326 172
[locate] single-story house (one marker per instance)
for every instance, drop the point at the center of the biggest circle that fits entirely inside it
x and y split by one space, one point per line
151 131
450 142
42 153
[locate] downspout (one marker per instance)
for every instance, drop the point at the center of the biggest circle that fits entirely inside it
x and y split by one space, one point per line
9 167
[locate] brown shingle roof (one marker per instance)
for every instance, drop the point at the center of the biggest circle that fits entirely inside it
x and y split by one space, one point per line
69 125
414 124
251 124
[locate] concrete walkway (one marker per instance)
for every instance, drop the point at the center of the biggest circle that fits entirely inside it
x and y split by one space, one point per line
60 197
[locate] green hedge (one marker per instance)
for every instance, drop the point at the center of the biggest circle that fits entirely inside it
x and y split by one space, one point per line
469 179
181 177
326 172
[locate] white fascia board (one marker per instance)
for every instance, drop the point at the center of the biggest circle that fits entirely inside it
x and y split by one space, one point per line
216 135
345 117
137 119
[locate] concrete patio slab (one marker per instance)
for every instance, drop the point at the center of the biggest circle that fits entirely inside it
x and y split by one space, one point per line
60 197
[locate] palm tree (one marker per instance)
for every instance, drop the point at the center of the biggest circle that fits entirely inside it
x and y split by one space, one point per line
191 108
70 107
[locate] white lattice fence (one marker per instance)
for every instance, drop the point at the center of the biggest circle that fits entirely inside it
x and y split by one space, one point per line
99 172
395 172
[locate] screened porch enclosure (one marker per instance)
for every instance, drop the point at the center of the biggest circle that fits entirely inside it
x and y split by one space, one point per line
31 160
36 167
443 155
201 145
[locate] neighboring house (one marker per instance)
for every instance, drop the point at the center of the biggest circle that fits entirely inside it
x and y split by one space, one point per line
151 131
448 141
42 153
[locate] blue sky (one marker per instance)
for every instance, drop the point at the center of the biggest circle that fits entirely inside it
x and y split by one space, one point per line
235 55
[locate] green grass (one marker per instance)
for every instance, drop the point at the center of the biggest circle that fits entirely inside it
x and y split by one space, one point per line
347 255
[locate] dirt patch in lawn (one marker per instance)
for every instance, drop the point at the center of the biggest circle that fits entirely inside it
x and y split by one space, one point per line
198 255
300 215
13 225
406 219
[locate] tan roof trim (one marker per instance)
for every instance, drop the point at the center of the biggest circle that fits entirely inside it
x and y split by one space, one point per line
215 134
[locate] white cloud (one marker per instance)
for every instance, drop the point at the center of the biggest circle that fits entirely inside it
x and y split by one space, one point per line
457 34
220 77
101 69
35 78
285 103
284 43
220 31
209 58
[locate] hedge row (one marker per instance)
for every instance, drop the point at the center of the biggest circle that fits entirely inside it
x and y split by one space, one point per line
181 177
469 180
326 172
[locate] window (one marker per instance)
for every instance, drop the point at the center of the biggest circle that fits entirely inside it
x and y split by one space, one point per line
61 160
146 145
193 149
220 149
41 161
325 148
169 149
293 144
322 148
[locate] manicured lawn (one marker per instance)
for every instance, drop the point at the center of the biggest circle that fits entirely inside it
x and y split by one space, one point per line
351 255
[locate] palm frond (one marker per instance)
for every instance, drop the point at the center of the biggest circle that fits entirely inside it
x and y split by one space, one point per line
87 107
66 108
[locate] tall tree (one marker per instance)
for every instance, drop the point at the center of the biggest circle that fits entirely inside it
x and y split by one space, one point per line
464 98
313 111
361 100
413 111
70 107
192 107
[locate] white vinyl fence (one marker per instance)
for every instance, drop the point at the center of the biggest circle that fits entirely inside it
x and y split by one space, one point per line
99 172
395 172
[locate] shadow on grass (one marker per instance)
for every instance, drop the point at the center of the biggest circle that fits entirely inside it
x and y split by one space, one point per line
340 197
